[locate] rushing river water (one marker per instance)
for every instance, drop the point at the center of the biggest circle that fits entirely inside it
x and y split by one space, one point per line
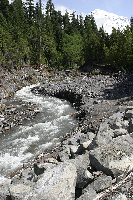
35 136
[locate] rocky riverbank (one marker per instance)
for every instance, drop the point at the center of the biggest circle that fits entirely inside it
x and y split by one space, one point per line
94 161
12 80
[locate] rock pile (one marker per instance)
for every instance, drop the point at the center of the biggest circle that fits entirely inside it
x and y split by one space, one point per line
87 165
94 97
97 161
11 115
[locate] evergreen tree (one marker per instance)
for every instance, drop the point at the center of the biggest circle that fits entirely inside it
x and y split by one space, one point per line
74 23
72 50
81 25
93 23
4 8
120 53
30 11
66 23
65 43
91 43
131 21
103 45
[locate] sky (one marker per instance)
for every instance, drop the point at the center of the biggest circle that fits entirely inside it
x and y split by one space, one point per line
119 7
84 7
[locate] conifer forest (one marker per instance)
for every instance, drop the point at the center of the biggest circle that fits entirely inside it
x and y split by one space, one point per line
29 37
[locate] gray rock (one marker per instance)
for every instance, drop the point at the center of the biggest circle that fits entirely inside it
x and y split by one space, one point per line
122 108
4 192
125 124
119 132
114 123
75 149
86 137
131 125
82 163
105 134
114 158
102 183
65 154
81 142
21 184
112 128
129 113
19 191
56 184
86 144
91 135
51 161
76 145
89 195
104 137
74 140
119 197
104 127
86 140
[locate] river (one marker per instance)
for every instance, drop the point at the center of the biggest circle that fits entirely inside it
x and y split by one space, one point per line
23 143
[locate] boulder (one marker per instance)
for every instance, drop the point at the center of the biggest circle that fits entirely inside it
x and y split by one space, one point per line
86 141
100 184
75 149
104 137
114 158
19 191
86 144
55 184
125 124
89 195
114 123
129 113
85 137
76 145
82 163
65 154
119 132
113 127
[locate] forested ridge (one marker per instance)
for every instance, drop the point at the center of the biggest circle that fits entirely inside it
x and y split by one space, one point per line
67 40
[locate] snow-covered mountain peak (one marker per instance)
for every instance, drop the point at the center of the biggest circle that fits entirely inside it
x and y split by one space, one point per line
109 20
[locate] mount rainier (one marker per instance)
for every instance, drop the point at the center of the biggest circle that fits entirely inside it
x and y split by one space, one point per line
109 20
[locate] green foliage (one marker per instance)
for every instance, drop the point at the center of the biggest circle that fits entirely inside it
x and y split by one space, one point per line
4 8
91 42
66 40
131 20
72 50
120 52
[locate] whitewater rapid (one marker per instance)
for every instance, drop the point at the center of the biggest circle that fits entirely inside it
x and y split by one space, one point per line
26 141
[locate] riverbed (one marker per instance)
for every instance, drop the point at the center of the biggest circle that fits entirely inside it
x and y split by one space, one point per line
23 143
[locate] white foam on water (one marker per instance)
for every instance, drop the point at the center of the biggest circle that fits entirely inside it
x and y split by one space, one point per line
46 128
47 145
28 141
9 163
51 103
63 117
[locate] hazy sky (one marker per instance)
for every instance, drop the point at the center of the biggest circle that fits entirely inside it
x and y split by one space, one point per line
119 7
